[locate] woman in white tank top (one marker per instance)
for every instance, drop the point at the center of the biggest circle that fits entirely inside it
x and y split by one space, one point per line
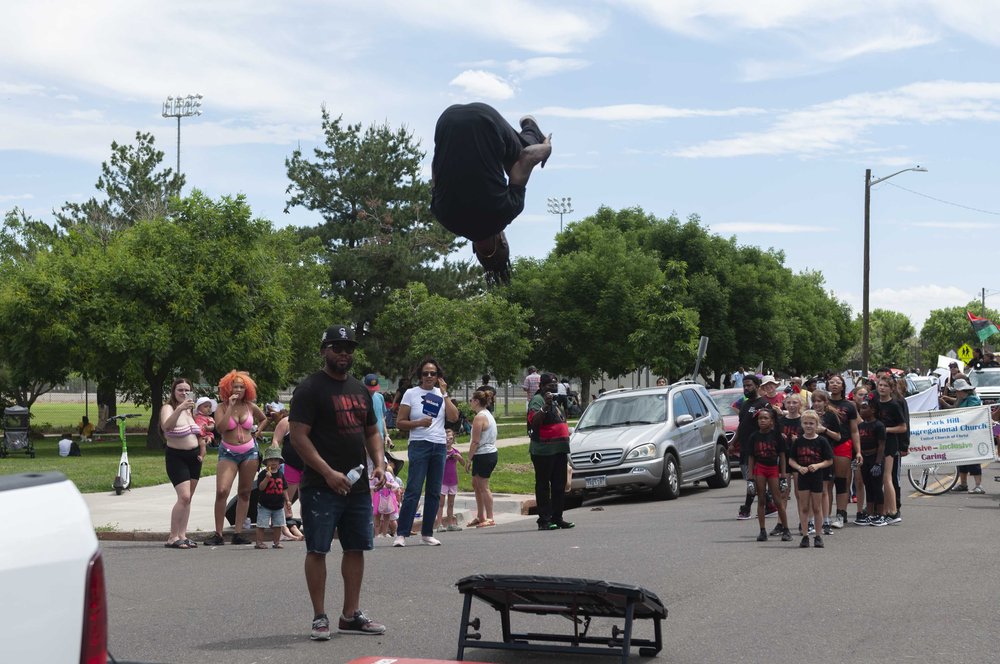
483 452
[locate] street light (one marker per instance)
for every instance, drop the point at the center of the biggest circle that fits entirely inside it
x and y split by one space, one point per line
561 206
869 182
181 107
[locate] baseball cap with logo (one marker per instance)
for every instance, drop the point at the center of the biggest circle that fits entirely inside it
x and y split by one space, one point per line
371 381
338 333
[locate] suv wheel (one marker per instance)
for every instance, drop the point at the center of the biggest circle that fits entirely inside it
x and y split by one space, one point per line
670 482
721 478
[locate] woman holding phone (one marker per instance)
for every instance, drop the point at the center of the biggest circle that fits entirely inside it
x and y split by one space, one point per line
423 411
183 456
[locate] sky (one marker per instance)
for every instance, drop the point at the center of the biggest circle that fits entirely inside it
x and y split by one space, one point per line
759 117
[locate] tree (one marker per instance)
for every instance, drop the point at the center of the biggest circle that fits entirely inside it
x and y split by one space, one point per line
37 311
133 187
469 337
605 306
377 227
741 293
818 325
210 290
889 336
947 329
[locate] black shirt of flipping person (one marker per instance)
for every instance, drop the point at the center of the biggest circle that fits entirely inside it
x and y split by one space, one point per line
273 495
806 452
473 147
338 412
767 447
871 434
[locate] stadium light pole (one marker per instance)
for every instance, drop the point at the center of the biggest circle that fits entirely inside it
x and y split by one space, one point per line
869 183
561 206
181 107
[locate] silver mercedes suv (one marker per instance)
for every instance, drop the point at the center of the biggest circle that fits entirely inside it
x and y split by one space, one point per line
649 439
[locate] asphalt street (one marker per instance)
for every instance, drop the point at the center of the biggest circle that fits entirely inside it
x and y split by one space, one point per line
925 589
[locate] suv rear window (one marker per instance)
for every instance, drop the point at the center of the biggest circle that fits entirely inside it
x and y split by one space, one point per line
624 411
985 378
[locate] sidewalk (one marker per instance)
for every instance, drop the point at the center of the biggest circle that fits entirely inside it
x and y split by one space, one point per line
144 514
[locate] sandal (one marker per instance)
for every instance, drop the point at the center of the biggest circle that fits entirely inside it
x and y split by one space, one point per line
176 544
260 546
474 522
488 523
277 546
191 543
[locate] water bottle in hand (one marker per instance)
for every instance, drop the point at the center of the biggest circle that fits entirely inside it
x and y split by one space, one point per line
355 473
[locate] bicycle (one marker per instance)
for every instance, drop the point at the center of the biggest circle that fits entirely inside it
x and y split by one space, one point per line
933 480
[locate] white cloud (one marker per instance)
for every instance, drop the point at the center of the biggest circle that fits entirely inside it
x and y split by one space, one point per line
544 66
21 89
842 124
916 301
483 84
527 25
761 227
641 112
15 197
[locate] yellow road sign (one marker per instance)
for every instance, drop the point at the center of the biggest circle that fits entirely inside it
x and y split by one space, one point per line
965 353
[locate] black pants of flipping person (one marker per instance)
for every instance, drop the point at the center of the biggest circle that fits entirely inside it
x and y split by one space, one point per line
550 486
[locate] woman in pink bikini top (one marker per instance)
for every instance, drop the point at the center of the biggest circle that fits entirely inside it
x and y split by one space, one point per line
238 455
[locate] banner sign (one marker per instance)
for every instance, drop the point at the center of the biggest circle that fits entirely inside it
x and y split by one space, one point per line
955 436
926 400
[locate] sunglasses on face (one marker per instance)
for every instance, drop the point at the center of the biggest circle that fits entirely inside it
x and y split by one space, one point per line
341 348
428 374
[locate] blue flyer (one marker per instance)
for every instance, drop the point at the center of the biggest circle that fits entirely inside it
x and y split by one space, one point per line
432 404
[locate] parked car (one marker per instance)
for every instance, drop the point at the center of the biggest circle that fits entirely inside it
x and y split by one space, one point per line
652 439
724 400
987 384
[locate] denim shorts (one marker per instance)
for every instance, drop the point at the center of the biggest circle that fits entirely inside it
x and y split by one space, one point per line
226 455
267 518
324 511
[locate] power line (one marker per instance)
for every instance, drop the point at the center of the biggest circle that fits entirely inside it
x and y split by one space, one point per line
941 200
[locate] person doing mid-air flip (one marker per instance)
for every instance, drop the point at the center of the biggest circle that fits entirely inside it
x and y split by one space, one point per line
478 175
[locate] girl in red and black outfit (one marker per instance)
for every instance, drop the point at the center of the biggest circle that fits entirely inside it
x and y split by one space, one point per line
810 457
847 449
891 414
872 434
767 464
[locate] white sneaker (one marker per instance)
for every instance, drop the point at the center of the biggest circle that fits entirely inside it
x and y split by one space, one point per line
246 523
430 541
399 541
838 522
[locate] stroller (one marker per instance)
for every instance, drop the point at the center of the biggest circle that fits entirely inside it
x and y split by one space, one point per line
15 432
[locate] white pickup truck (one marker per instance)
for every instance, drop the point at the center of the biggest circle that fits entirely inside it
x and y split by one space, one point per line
55 607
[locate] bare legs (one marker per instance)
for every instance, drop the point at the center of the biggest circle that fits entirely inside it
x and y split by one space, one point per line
225 474
484 498
181 512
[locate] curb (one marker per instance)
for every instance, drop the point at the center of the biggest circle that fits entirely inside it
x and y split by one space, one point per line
525 508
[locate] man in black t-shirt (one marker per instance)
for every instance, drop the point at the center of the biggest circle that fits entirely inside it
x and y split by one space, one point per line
480 168
332 426
752 402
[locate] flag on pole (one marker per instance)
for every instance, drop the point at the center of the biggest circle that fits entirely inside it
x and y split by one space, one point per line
983 327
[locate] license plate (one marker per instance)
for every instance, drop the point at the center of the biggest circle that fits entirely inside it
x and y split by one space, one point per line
597 482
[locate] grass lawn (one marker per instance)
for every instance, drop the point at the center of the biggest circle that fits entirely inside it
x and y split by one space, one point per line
57 417
95 470
514 473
